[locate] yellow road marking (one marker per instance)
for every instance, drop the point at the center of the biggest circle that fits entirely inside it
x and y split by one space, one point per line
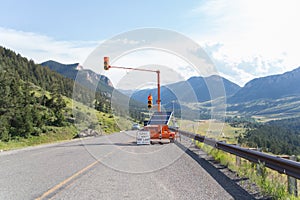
55 188
66 181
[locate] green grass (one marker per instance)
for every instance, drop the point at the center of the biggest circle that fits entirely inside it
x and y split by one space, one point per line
270 182
88 118
214 129
85 118
54 134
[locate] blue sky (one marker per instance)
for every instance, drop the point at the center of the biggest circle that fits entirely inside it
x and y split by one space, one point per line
92 20
244 38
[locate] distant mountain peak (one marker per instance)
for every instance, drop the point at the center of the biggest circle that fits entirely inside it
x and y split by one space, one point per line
71 71
195 86
270 87
79 67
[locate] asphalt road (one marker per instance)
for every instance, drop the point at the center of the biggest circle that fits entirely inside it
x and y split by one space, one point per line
111 167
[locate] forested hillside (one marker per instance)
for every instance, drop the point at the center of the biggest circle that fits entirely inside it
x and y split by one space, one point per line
278 137
103 87
291 123
32 97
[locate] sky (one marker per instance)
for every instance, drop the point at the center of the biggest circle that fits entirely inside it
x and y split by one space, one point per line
245 39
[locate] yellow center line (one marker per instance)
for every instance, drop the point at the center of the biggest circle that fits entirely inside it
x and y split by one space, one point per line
55 188
66 181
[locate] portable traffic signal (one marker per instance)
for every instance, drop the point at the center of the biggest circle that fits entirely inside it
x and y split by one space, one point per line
149 101
149 104
106 63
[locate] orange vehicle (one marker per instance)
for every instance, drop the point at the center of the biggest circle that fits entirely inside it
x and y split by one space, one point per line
159 129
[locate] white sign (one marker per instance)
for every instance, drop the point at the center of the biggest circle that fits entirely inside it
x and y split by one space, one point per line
143 137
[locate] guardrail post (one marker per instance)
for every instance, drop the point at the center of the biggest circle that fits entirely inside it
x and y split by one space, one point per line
292 182
238 159
259 165
265 160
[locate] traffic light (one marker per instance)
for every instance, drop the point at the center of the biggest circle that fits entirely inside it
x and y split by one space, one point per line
149 104
149 101
106 63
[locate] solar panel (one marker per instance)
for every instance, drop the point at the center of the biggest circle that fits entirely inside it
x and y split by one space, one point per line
159 118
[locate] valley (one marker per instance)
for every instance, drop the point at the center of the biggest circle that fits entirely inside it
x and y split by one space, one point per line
88 110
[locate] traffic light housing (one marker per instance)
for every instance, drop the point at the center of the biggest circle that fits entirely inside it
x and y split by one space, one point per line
149 104
106 63
149 101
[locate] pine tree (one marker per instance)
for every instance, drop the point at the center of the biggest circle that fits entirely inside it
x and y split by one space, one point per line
4 129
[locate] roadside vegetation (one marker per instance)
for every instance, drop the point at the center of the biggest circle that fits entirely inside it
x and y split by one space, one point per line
271 183
37 105
281 137
277 137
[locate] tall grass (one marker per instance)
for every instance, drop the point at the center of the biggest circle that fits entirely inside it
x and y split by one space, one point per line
52 134
270 182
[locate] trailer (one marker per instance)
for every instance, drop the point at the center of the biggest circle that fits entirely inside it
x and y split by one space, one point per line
158 128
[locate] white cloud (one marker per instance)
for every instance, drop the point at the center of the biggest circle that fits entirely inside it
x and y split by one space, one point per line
262 34
173 68
245 39
41 48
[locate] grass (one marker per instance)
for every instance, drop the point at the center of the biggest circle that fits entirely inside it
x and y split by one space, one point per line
101 122
53 134
269 181
86 117
214 129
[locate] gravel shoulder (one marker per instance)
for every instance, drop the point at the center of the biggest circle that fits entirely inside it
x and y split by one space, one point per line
238 187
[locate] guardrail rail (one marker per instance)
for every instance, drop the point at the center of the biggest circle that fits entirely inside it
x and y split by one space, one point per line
283 166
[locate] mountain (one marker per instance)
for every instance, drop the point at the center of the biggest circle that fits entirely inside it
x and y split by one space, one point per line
98 83
36 101
84 76
194 89
69 70
33 97
275 96
270 87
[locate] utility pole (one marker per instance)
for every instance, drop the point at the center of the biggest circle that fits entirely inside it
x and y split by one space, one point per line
158 101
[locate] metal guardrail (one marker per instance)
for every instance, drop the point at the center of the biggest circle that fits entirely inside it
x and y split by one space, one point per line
283 166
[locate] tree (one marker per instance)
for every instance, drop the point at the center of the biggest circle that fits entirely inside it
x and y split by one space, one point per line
4 129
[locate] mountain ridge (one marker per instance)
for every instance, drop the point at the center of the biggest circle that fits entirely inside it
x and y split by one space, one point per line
71 71
269 87
272 96
191 88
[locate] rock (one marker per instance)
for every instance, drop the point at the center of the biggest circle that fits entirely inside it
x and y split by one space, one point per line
87 133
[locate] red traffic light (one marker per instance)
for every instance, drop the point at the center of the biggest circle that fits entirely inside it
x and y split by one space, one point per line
149 101
149 104
106 63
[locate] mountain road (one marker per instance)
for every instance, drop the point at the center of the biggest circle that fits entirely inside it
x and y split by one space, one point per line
111 167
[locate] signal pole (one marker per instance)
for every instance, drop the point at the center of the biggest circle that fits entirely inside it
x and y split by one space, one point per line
158 90
158 101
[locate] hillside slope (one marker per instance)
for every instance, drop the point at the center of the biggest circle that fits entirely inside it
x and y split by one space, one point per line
101 85
194 87
270 87
85 77
34 98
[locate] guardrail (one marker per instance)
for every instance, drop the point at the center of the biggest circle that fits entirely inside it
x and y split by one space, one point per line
283 166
